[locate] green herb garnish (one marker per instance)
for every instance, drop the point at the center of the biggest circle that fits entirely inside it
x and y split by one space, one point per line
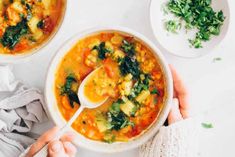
129 65
102 50
207 125
40 24
116 117
217 59
128 48
196 14
172 26
13 34
155 91
66 89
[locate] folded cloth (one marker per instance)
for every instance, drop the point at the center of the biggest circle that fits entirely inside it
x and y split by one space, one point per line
20 108
177 140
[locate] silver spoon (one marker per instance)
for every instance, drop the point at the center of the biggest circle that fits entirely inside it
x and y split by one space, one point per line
84 103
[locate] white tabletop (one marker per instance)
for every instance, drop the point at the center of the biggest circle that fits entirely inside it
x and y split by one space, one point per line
212 84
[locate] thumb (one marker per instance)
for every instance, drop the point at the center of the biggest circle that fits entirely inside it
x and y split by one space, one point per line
56 149
174 115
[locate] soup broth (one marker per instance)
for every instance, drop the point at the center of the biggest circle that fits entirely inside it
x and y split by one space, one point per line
130 76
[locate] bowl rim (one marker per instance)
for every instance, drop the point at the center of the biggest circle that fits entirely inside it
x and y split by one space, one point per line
164 48
80 140
25 56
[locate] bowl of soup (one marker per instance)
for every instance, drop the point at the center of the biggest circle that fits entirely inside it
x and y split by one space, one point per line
27 25
132 73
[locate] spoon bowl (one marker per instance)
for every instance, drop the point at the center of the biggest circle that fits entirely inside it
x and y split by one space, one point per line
84 101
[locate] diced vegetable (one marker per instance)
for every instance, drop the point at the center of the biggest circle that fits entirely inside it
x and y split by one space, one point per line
37 35
142 96
21 45
116 39
125 87
13 16
118 54
128 77
18 7
33 24
127 108
109 46
91 60
102 123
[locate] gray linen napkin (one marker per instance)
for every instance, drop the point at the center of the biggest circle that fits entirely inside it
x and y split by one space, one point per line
20 108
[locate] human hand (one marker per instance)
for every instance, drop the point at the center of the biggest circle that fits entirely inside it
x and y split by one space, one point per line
57 148
181 110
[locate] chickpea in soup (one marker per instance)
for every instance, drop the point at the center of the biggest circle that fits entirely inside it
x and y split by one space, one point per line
130 76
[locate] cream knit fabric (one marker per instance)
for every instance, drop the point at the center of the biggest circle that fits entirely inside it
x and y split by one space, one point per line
177 140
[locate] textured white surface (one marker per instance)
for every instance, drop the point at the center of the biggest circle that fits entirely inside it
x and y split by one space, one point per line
212 84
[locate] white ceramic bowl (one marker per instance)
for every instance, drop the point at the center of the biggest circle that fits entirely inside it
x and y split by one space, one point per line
81 141
18 58
177 44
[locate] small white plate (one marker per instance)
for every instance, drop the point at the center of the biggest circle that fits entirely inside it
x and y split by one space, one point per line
178 44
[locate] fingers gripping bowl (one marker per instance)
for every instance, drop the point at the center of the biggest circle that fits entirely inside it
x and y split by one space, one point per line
133 74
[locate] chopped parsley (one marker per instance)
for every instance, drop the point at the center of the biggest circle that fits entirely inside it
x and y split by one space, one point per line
102 50
139 86
13 34
155 91
172 26
67 90
116 117
128 48
129 65
207 125
197 14
41 24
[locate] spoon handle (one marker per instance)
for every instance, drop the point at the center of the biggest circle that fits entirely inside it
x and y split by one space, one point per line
44 151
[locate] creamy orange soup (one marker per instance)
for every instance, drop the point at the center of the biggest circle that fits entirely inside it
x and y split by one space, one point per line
26 24
129 75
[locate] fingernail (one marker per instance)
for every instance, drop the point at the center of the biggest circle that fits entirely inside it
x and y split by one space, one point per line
56 147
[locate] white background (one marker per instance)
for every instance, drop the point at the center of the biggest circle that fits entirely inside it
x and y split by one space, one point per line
212 84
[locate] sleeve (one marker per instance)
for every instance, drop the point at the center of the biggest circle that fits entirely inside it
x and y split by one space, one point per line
177 140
